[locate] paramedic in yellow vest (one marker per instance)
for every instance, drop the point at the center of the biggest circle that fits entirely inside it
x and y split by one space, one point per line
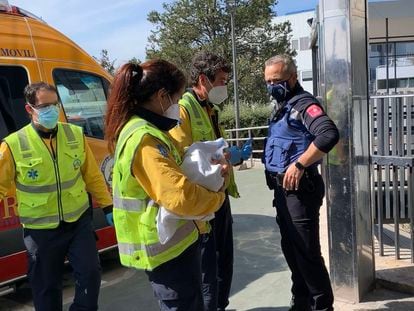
142 108
199 121
53 170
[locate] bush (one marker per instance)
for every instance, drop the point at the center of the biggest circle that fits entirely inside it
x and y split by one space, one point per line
250 116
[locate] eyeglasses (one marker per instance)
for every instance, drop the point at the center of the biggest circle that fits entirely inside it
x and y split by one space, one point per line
44 105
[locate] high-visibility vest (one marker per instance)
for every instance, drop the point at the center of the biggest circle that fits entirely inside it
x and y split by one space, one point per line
49 189
134 211
202 130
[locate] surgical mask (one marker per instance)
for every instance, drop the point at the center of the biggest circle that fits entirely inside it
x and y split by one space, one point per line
47 116
173 112
279 91
217 94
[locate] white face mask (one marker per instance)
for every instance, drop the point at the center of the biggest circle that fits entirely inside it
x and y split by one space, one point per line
173 112
217 94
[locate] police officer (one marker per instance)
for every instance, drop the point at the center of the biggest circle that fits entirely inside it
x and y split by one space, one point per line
142 108
199 121
54 170
300 134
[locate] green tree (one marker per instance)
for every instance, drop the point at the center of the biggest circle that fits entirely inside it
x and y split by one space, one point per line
187 26
106 62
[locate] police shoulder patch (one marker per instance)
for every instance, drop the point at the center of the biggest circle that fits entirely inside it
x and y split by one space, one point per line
163 151
314 111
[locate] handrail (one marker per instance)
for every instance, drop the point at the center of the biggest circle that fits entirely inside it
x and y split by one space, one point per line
390 96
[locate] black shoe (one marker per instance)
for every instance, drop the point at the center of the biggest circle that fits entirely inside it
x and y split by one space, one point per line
298 304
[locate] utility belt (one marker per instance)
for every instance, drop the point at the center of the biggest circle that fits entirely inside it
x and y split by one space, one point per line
274 180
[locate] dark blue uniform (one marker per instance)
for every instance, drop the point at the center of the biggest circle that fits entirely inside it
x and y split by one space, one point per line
291 132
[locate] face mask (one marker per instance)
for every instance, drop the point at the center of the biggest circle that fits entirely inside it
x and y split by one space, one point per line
217 94
47 116
279 91
173 112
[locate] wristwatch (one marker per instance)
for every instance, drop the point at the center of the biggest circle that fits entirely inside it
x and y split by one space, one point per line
299 166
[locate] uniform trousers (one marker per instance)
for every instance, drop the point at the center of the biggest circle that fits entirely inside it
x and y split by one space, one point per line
298 220
177 283
47 249
218 275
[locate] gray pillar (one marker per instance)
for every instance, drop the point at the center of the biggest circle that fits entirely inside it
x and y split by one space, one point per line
344 84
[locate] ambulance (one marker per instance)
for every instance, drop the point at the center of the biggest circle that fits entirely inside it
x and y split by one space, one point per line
31 51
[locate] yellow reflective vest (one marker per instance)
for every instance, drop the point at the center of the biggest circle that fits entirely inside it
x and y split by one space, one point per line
49 188
134 211
202 130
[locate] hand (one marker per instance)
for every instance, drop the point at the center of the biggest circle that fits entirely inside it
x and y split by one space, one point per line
110 219
235 155
246 151
292 178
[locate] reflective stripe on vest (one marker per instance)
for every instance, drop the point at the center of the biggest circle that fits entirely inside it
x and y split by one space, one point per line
158 248
129 204
50 219
135 213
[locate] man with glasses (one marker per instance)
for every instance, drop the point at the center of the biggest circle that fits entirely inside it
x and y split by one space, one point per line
54 169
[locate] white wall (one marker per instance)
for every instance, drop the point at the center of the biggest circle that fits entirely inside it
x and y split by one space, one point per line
300 29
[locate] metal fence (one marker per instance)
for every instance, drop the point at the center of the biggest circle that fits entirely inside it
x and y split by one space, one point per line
241 135
392 160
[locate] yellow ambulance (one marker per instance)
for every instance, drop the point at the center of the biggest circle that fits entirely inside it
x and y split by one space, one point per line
30 51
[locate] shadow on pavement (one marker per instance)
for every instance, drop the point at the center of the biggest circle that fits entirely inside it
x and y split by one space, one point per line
257 250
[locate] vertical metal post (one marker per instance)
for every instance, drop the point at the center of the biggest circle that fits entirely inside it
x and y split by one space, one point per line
387 66
344 72
235 79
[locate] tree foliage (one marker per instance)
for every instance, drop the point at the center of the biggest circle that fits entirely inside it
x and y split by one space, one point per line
187 26
106 62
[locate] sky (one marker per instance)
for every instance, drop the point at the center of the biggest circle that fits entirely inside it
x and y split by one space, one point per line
119 26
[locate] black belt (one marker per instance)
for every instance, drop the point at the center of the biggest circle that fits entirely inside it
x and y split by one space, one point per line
276 179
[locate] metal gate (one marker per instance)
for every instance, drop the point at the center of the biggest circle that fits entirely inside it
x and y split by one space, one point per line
392 160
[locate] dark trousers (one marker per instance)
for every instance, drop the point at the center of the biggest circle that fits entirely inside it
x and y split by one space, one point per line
222 229
298 220
47 249
177 283
209 270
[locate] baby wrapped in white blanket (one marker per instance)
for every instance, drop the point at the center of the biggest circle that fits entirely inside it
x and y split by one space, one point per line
198 167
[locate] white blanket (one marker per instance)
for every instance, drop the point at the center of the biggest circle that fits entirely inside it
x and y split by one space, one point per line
198 168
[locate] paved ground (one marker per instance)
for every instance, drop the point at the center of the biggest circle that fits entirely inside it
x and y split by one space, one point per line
261 280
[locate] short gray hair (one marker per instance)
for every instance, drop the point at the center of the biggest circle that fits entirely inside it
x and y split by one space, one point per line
287 60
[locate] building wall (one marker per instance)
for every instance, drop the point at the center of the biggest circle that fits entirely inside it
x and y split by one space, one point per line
301 43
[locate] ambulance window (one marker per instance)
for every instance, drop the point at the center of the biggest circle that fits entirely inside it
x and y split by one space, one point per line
83 96
13 115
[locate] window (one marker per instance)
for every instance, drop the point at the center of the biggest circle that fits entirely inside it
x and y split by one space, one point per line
83 96
304 43
13 115
307 75
295 44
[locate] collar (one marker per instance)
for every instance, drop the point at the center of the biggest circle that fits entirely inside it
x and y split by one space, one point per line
203 103
44 134
296 89
161 122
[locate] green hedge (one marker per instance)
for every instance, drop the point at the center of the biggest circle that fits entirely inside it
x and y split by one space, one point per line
254 115
250 116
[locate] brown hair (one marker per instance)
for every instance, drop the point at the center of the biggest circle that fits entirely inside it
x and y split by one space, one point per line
30 91
133 85
209 64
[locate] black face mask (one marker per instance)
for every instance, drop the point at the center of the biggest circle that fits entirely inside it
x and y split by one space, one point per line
279 91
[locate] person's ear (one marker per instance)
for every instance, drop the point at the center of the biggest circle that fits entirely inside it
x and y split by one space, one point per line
28 108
